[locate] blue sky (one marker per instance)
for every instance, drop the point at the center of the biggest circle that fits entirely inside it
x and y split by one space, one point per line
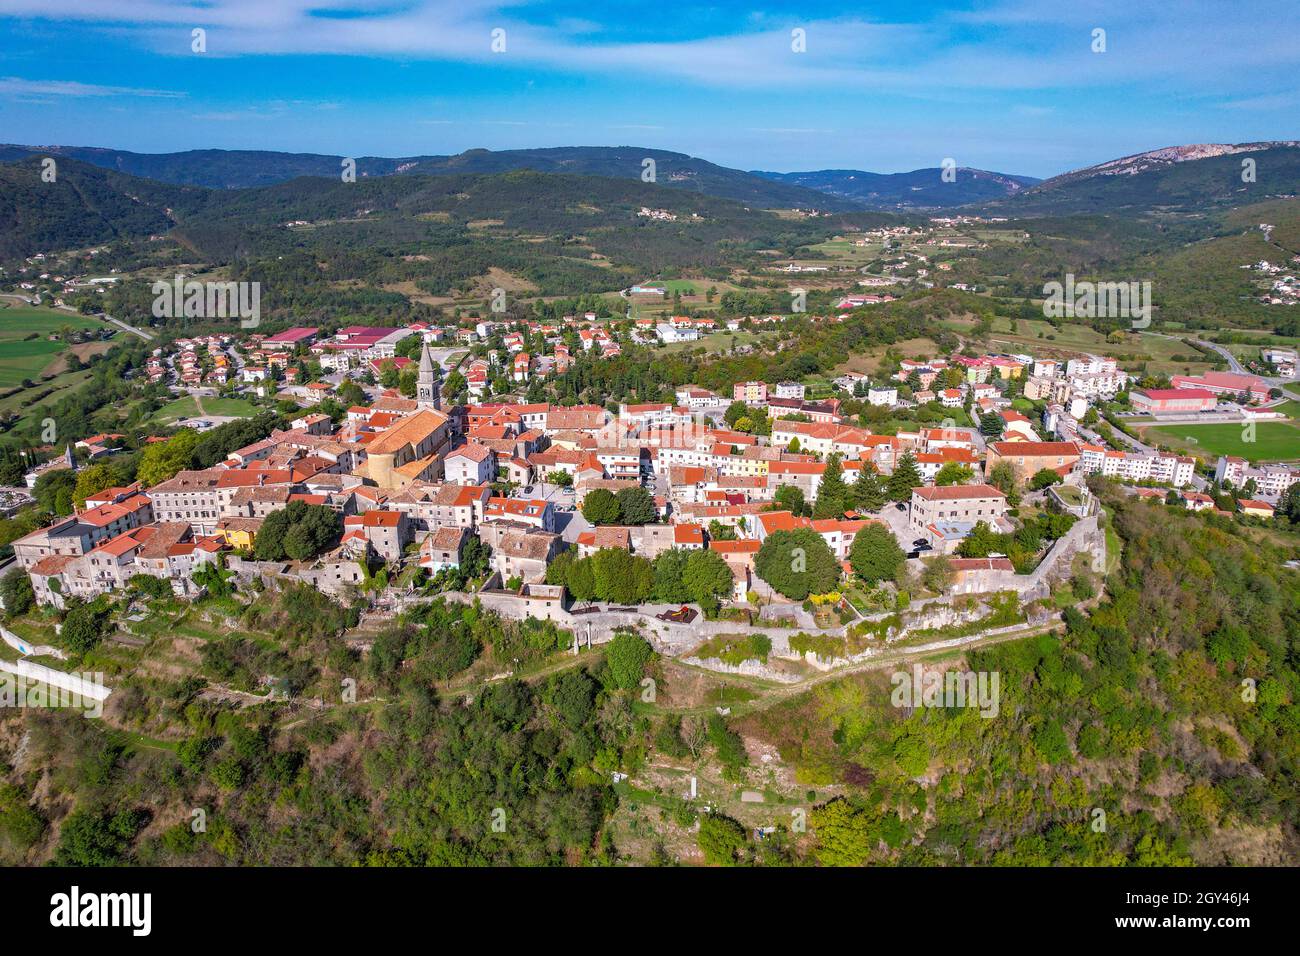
1009 85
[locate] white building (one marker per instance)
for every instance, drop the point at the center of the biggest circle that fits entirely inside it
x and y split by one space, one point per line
668 333
1134 466
882 395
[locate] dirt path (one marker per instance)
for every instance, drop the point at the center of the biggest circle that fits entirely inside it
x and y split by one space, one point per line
771 693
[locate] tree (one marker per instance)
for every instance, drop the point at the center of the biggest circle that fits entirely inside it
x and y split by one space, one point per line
790 498
213 577
721 532
627 655
474 559
16 592
54 491
620 576
875 554
83 627
350 393
1043 478
152 586
636 506
1288 504
1003 477
954 473
707 578
561 478
983 541
992 425
937 573
298 531
844 836
797 563
735 412
694 734
581 580
91 480
669 572
832 493
720 839
906 476
869 492
87 838
601 507
162 460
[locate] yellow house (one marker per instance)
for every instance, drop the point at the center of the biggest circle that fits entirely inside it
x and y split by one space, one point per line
1255 509
1006 368
239 532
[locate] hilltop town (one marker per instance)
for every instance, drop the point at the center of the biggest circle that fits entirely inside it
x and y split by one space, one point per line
556 518
452 491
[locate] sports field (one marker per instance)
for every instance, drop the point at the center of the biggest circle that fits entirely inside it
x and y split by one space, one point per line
1273 441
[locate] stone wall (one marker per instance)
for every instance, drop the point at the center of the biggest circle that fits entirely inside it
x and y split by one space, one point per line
1086 537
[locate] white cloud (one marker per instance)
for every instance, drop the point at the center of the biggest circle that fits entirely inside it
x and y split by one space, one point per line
1000 46
17 86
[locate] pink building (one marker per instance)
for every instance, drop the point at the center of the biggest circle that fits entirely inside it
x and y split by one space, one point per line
1165 401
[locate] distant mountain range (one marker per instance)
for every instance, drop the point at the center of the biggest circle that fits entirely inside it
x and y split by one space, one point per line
240 169
565 218
919 189
102 194
1178 178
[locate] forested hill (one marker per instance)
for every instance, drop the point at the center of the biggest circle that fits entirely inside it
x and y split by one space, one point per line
237 169
1182 180
587 219
83 206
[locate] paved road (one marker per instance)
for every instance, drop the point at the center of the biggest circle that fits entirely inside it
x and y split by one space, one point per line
1233 364
1238 368
147 336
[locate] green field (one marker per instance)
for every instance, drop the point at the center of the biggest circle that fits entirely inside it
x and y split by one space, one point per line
21 359
187 407
714 342
1274 441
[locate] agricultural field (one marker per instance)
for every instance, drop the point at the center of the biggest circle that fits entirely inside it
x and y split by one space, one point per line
26 349
1274 441
843 252
694 293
